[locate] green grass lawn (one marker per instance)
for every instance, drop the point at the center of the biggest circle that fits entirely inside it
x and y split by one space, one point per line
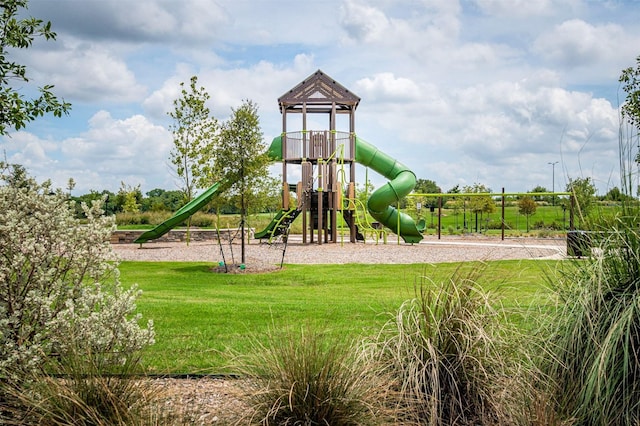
201 316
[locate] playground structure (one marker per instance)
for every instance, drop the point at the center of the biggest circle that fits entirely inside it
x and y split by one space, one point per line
324 161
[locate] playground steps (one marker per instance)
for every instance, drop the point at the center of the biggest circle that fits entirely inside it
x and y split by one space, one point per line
348 216
279 225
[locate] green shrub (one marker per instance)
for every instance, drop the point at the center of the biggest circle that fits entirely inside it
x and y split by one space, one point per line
60 293
203 220
59 279
146 218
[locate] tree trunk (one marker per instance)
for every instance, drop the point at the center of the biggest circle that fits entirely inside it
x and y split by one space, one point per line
243 213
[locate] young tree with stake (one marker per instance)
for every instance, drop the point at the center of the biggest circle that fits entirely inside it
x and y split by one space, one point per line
241 159
194 134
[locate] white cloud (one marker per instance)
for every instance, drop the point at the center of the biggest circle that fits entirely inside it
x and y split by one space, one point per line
386 87
526 8
364 23
87 72
433 25
575 43
140 21
29 150
110 151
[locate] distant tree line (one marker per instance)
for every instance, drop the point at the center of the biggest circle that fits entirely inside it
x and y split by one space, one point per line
131 200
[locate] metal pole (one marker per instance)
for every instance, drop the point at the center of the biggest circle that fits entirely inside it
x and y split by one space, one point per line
439 217
553 181
502 214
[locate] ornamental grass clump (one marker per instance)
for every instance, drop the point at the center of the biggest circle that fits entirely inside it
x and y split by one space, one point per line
595 335
83 391
308 377
453 358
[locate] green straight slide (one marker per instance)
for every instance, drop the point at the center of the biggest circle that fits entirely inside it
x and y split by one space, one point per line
180 216
380 203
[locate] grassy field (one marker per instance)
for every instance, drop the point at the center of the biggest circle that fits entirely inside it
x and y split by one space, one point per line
201 317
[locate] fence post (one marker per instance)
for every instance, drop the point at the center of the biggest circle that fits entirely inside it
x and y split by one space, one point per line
502 213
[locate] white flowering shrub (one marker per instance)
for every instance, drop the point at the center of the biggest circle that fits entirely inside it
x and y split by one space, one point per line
60 291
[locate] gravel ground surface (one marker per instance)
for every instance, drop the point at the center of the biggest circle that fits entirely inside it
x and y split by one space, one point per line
205 401
262 256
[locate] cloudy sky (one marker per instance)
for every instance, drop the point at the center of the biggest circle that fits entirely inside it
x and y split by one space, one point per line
462 92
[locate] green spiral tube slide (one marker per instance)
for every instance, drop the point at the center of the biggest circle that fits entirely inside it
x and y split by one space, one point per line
401 182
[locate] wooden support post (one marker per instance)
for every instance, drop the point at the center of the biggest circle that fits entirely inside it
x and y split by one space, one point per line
333 200
321 180
306 199
285 196
300 194
351 194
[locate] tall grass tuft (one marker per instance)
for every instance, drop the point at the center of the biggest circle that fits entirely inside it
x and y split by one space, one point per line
309 377
82 391
449 354
595 338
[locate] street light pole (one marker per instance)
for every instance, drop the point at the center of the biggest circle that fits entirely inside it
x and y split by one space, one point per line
553 181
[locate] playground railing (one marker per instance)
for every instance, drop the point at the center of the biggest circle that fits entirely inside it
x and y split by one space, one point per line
317 144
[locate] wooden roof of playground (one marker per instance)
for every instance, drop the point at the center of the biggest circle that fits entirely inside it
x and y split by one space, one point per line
318 93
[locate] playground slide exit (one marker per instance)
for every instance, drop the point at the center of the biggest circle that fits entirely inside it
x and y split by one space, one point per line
180 216
401 182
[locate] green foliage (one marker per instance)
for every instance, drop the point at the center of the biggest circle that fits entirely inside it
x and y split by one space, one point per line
583 191
161 200
107 198
364 191
614 194
628 149
539 189
427 186
194 138
630 79
129 198
480 204
19 33
527 206
241 161
594 337
145 218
